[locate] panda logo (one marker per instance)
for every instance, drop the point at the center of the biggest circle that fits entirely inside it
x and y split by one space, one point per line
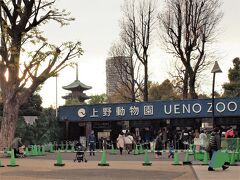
82 112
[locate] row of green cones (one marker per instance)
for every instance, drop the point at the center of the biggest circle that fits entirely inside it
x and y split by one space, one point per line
39 150
220 158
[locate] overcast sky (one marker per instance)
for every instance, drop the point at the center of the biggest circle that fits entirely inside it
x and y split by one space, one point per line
97 27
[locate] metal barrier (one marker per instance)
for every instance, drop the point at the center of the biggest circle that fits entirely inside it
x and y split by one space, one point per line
230 144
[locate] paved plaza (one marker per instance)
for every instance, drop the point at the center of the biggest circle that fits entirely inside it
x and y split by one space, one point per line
121 167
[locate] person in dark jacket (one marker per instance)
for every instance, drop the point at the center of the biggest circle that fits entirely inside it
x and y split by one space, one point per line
16 144
171 150
158 145
215 144
91 143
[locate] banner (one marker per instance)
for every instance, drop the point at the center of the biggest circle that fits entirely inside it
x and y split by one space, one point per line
194 108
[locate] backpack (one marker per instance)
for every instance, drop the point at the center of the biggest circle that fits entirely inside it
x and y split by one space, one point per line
208 148
213 142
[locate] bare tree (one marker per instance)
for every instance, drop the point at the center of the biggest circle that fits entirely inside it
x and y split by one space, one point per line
189 26
127 69
22 71
180 79
138 21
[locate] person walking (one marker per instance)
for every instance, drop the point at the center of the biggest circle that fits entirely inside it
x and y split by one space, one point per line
203 140
128 139
185 138
171 150
120 142
16 144
215 145
196 134
92 142
158 145
164 138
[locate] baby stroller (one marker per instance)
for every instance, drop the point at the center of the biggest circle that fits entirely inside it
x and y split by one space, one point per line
20 152
80 154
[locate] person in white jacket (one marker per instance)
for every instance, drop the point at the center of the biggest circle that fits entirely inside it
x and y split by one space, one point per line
128 139
203 140
120 142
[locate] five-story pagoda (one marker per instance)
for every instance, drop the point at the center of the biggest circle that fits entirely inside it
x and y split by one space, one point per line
77 89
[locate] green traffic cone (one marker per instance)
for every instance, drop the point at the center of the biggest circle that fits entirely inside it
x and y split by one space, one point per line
194 155
51 148
35 151
38 150
141 149
176 159
113 151
62 147
26 152
205 158
9 153
136 152
232 160
43 150
191 149
103 161
146 159
1 164
186 159
66 148
12 160
32 151
59 160
72 147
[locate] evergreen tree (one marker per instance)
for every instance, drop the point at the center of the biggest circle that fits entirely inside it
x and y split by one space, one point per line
164 91
232 89
98 99
45 129
32 107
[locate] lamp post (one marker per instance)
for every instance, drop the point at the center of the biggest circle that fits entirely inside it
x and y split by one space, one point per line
215 69
56 95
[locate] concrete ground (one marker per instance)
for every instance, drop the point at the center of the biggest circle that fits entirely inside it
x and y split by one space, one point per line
120 168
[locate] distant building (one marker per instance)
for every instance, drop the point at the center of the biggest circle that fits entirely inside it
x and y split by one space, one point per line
115 73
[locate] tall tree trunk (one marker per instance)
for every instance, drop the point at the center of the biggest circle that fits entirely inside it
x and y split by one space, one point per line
133 96
132 75
185 85
8 125
193 94
145 95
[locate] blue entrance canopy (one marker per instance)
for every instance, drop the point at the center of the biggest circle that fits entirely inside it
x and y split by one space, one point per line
194 108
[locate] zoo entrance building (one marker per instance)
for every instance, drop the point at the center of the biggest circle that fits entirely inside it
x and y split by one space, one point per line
107 120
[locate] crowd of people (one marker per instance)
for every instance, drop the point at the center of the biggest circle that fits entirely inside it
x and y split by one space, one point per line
125 140
161 139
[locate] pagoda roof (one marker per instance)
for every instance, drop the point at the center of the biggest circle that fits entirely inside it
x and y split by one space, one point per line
81 98
77 85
